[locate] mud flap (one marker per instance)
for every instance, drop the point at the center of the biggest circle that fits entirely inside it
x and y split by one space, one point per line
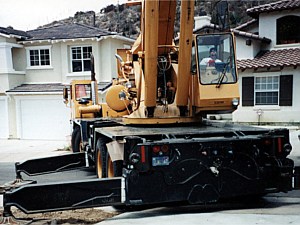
36 198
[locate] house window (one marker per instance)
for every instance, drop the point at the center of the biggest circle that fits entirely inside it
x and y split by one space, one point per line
288 30
266 90
81 58
39 56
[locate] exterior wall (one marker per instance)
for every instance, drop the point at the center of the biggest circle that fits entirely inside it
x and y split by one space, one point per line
19 59
12 117
8 51
272 113
240 52
108 63
105 63
268 21
244 51
8 81
50 74
4 128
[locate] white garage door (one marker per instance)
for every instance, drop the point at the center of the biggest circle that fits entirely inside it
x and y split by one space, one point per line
43 118
3 119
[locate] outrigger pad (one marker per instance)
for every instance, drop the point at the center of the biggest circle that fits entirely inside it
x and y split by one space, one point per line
15 184
11 220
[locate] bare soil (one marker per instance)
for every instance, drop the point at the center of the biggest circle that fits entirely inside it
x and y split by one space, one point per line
78 217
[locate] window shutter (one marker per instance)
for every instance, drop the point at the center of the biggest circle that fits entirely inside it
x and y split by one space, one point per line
248 91
286 90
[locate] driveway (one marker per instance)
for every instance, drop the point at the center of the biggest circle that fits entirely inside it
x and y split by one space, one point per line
20 150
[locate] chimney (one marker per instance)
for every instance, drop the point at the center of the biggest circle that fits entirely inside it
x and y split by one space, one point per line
201 21
93 19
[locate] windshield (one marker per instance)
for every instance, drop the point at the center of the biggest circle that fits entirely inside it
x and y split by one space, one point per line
216 59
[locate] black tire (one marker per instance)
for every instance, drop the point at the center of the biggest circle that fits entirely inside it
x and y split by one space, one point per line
76 140
114 169
100 158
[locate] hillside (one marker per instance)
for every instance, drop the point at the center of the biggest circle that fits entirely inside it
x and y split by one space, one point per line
126 20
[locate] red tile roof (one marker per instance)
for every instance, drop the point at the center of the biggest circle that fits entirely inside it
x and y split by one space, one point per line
275 6
274 58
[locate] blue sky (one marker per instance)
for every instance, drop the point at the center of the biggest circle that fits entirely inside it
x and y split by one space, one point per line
29 14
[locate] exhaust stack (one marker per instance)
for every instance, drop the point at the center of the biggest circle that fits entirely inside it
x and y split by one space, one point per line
93 82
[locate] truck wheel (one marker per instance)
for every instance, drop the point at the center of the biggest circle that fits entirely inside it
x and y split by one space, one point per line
76 140
114 169
100 160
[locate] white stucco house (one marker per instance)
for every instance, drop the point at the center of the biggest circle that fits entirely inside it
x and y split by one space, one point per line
269 65
35 65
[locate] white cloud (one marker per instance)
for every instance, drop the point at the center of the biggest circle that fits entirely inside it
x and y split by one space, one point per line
29 14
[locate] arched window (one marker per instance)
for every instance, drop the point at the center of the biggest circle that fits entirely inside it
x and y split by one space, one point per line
288 31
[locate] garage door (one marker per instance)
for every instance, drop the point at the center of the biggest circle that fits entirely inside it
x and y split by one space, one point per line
45 119
3 119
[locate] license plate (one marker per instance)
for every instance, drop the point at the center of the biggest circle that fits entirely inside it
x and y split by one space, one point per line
160 161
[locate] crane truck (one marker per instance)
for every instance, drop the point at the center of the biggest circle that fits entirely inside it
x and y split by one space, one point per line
148 143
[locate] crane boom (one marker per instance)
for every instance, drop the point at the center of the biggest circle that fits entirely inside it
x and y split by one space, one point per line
185 53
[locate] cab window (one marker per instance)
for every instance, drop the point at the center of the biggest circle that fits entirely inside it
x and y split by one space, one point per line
83 91
216 59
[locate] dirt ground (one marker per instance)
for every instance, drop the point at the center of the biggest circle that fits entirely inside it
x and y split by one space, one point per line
78 217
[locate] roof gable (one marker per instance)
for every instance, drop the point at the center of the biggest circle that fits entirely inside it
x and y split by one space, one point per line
275 6
66 31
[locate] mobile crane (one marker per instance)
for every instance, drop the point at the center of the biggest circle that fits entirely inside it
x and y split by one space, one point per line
149 142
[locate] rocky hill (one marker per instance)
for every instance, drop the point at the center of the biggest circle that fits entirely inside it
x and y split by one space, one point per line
126 20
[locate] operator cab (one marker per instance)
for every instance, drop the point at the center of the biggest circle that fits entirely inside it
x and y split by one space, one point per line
216 59
214 64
